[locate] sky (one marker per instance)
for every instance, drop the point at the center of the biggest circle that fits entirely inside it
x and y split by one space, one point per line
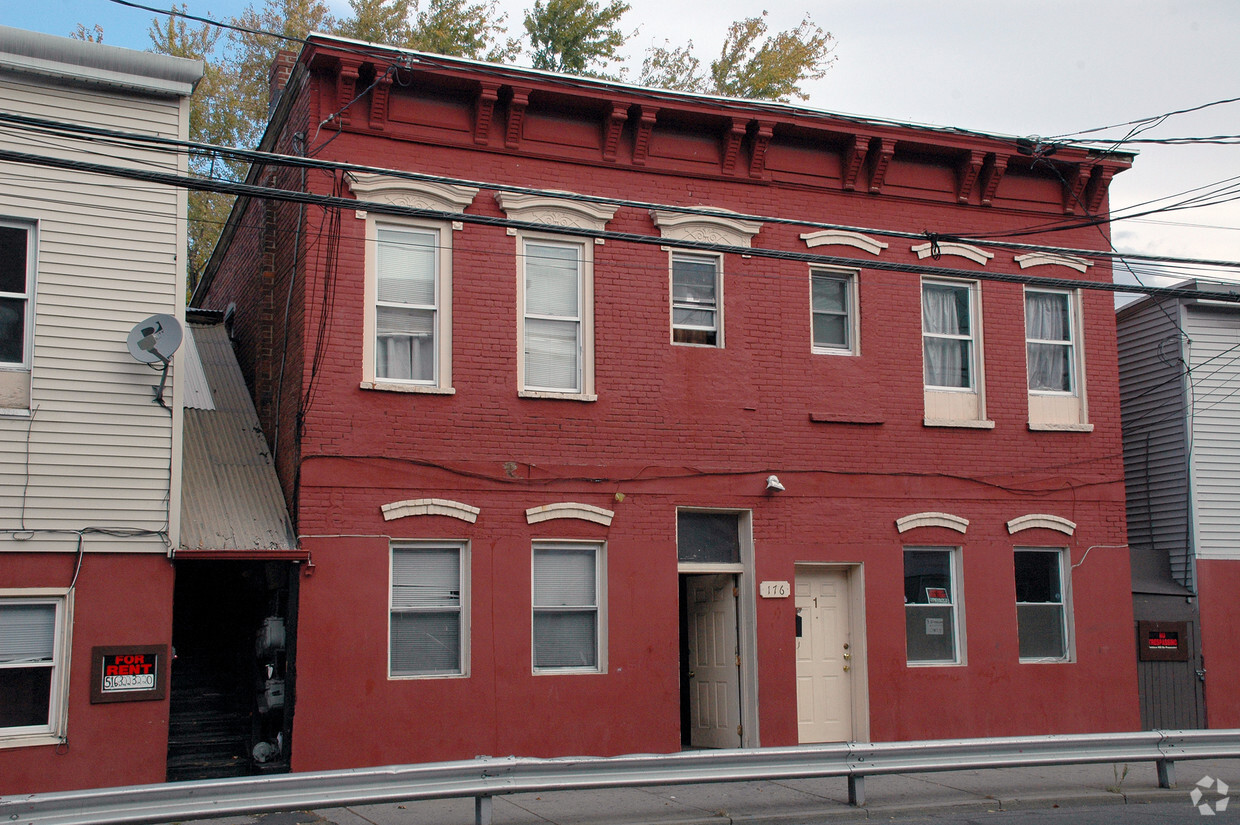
1005 67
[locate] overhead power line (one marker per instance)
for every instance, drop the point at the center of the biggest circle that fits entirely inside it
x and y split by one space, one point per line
296 161
337 202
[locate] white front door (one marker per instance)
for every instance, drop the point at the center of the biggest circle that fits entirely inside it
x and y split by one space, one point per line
714 662
825 656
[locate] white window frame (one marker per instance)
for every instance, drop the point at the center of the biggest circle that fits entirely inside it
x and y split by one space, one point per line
1064 604
716 307
599 608
1057 409
442 380
463 606
56 728
851 317
948 406
584 389
956 595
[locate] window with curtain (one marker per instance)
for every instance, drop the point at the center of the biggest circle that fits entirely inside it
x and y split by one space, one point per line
930 603
407 309
428 635
566 606
1049 341
695 299
552 349
831 306
29 670
947 335
1041 615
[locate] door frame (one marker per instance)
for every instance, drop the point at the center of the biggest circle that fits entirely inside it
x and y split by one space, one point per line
854 576
746 613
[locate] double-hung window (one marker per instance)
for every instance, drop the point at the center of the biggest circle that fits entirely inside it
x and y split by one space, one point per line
554 334
568 589
407 306
1053 356
429 609
16 286
1041 606
832 304
696 305
951 354
32 665
931 606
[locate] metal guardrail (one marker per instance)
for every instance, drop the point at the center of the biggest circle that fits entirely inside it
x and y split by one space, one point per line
485 777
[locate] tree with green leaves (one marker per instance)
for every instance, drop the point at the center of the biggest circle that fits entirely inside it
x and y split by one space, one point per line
575 36
751 64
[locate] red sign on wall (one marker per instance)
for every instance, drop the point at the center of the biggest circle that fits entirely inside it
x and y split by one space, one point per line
128 674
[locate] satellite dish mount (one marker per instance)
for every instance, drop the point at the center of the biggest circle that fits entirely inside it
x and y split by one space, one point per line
154 341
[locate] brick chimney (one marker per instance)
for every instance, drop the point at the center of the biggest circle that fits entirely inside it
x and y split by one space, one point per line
277 77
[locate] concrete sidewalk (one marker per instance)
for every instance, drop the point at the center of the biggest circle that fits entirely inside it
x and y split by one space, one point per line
795 802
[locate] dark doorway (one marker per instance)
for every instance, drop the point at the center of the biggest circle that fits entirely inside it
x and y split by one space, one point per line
233 634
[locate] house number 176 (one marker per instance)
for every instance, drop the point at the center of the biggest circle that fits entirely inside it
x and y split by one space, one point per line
774 590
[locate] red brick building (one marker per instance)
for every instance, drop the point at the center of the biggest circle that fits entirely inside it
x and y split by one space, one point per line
619 420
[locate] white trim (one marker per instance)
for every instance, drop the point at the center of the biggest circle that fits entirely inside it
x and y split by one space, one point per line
57 728
600 604
851 280
569 509
955 566
1066 618
553 211
960 250
717 259
1052 259
932 519
840 237
430 507
464 610
418 194
1043 520
682 226
584 319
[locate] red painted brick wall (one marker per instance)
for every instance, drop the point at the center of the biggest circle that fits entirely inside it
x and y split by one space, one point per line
678 426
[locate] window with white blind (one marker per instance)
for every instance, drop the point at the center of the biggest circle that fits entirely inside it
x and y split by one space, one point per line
568 623
409 325
557 310
32 666
429 633
696 300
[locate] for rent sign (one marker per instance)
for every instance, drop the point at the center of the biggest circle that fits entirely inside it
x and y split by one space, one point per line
128 674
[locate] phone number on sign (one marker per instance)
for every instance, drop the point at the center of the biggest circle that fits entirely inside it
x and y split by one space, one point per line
144 681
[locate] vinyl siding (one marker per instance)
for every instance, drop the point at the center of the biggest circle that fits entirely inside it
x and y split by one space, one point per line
95 452
1215 358
1152 402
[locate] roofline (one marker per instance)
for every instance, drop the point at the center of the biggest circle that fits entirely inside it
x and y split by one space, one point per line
749 105
81 62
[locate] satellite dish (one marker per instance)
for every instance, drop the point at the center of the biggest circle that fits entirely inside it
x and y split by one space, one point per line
155 339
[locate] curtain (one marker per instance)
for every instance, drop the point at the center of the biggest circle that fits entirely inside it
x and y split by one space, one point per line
405 316
947 338
1048 329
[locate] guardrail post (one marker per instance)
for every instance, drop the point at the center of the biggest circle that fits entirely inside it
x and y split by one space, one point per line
1166 773
484 807
856 790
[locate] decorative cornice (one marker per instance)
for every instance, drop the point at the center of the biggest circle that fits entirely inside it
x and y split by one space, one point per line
516 117
840 237
947 520
968 172
615 124
418 194
641 138
853 159
430 507
346 85
992 174
569 509
1074 189
1035 520
484 108
882 159
379 102
1051 259
1099 183
962 250
761 142
732 145
681 226
553 211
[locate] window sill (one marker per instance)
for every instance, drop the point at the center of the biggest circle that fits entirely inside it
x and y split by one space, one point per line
1048 427
967 423
410 677
560 396
14 413
934 664
569 671
384 386
830 351
1045 661
28 740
